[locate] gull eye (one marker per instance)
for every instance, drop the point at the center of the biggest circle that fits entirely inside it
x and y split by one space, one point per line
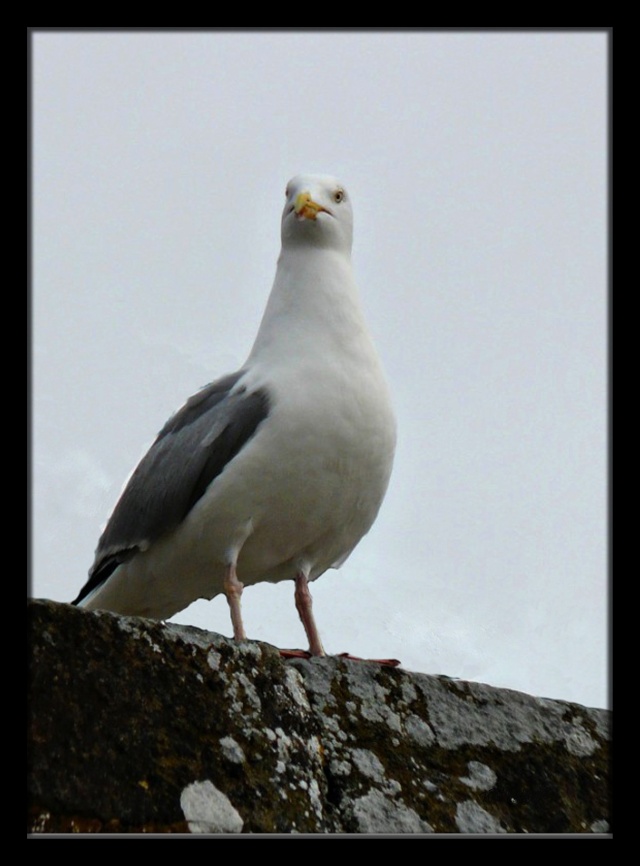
338 196
286 192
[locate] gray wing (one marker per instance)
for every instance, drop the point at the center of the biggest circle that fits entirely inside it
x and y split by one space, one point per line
190 451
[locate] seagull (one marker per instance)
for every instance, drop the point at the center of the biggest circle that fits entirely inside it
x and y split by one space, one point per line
271 473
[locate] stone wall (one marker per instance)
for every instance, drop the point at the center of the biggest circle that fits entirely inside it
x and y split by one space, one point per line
139 726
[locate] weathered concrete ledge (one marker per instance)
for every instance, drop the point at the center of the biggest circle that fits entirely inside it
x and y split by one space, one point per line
137 726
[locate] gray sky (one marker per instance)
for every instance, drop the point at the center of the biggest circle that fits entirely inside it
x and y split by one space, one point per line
477 167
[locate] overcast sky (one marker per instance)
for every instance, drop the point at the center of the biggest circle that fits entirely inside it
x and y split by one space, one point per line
477 165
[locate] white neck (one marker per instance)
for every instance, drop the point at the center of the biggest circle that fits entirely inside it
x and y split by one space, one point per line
313 308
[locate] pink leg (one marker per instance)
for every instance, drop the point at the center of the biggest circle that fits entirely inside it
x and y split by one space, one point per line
233 591
304 603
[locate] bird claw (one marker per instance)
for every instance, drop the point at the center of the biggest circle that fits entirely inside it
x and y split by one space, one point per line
392 663
305 654
295 654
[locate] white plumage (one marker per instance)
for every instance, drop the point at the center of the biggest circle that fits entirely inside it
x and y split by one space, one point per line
272 473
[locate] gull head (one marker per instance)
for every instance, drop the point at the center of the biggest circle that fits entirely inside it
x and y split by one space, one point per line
318 212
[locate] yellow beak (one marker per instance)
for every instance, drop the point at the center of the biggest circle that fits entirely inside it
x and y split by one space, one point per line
306 207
